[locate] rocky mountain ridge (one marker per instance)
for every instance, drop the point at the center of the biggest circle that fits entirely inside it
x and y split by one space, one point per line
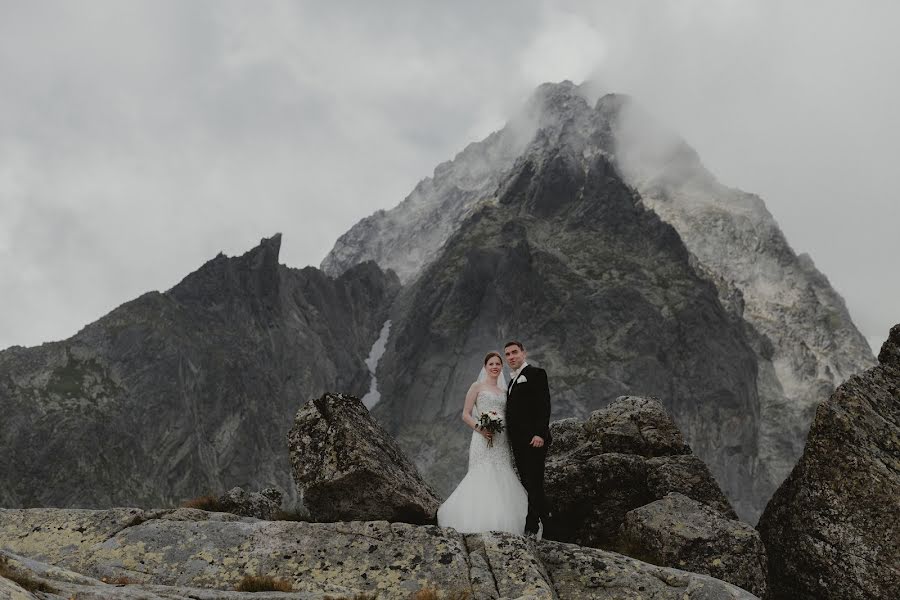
177 394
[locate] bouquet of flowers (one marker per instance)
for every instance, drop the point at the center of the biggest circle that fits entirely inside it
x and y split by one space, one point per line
491 421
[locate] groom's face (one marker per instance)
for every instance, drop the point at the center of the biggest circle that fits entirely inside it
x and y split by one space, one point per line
515 356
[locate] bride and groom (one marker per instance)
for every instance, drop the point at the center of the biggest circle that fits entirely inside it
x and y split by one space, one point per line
503 489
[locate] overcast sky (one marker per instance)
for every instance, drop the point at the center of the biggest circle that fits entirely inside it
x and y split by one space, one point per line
139 139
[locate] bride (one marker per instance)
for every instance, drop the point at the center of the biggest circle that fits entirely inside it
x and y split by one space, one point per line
490 497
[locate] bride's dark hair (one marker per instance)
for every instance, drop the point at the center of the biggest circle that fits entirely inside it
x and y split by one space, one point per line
488 356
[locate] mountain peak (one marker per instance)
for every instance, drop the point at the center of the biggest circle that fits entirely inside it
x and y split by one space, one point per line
890 350
556 94
265 255
253 274
551 106
611 105
594 161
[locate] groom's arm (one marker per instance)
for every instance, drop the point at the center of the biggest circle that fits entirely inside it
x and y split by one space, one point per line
541 406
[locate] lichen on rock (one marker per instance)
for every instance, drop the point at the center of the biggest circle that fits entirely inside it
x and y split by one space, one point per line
347 467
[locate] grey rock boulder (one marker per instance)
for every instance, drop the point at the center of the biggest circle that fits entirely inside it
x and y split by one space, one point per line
831 528
634 425
688 475
348 468
622 457
592 574
625 480
679 531
262 505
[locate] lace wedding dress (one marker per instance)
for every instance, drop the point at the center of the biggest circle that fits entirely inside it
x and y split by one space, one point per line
490 497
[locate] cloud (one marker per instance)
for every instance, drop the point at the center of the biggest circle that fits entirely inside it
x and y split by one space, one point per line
138 140
566 47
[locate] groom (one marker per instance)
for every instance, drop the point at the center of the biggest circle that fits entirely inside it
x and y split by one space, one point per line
528 428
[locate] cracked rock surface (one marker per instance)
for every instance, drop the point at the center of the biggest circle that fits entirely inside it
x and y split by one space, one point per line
188 553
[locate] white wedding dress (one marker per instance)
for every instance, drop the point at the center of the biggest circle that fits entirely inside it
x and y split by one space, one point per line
490 497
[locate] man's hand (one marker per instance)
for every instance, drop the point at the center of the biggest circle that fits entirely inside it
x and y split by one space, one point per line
537 441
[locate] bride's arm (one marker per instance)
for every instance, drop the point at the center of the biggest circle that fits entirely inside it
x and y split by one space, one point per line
467 408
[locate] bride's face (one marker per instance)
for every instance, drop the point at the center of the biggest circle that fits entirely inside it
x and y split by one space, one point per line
493 366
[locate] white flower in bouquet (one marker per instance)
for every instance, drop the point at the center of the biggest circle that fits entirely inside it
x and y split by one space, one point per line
492 422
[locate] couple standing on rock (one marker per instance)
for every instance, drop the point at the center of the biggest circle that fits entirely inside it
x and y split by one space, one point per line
492 496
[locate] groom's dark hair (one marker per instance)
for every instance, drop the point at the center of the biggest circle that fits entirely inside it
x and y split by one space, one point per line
514 343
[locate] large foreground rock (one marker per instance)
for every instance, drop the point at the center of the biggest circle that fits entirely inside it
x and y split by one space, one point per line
624 456
682 532
171 553
347 468
616 478
831 529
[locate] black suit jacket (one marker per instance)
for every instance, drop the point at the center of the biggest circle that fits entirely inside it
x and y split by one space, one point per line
528 408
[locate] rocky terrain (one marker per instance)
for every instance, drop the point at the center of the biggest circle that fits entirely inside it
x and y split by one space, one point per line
624 480
186 392
646 516
831 528
187 553
800 337
190 553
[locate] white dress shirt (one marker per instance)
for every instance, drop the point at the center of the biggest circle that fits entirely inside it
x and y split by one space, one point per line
515 374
